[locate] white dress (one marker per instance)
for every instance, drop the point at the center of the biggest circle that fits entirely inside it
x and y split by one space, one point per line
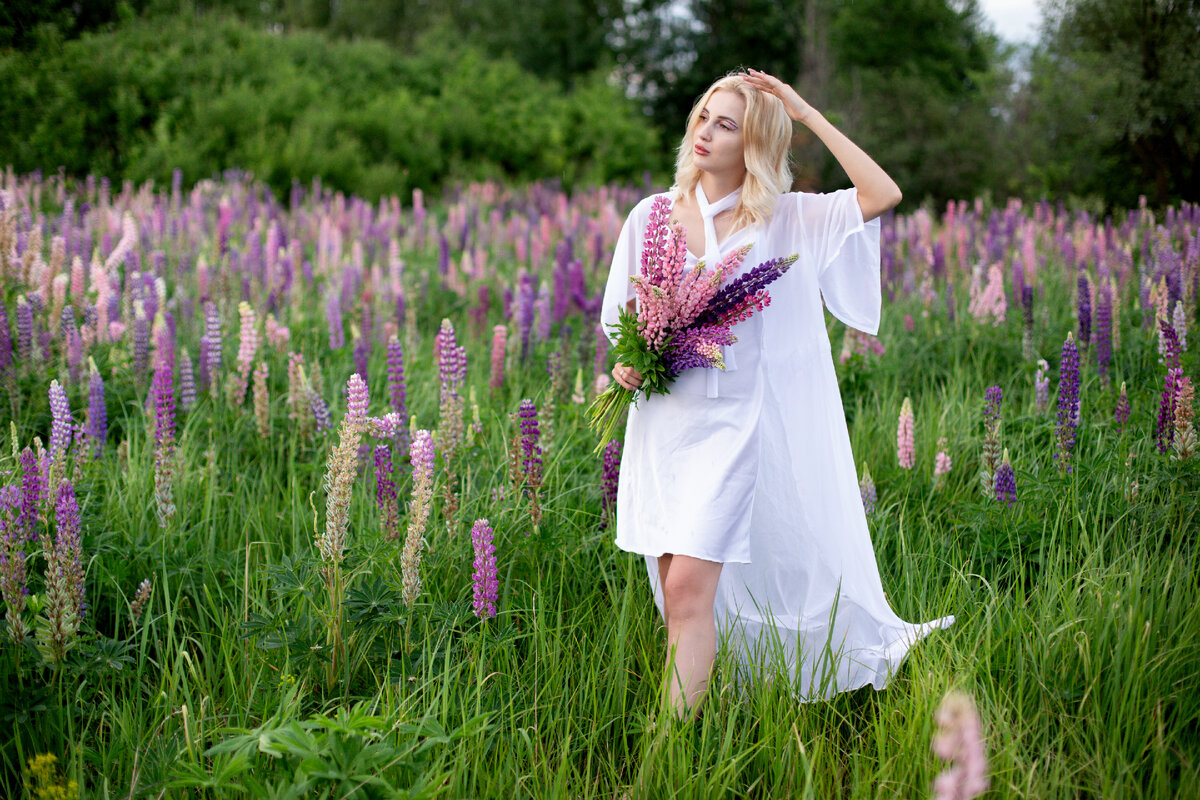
752 466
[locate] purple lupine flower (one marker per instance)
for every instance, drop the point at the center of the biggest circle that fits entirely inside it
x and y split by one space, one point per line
991 435
141 340
1085 310
6 345
1164 427
1104 330
531 451
1068 403
698 347
362 352
732 297
211 356
385 493
187 382
33 490
524 311
1170 343
64 591
866 490
13 574
1006 481
541 314
452 367
320 410
397 389
421 454
74 342
609 480
164 442
97 413
61 424
24 330
484 580
1122 412
333 316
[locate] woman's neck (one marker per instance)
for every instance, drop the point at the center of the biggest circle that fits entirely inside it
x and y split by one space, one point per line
717 185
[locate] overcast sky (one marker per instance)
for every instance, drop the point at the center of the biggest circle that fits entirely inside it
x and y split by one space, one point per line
1014 20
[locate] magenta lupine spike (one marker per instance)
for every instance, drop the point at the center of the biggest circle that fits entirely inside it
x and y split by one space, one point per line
13 574
1122 411
609 480
499 347
484 580
164 443
1068 404
1006 481
385 493
866 490
905 450
421 455
97 413
959 743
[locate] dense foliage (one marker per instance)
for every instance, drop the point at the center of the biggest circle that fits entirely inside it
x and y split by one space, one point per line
203 96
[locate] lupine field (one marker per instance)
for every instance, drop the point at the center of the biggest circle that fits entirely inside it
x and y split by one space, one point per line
298 500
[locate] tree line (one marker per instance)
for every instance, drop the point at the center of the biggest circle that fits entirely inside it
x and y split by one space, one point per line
1101 109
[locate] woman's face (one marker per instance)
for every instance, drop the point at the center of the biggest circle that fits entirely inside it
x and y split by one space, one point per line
717 141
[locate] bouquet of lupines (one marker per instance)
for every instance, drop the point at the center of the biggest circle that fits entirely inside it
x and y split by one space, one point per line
684 316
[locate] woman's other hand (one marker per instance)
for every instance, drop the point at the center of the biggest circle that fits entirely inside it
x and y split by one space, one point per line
627 376
796 106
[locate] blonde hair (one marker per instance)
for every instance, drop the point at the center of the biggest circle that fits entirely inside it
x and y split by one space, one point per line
766 133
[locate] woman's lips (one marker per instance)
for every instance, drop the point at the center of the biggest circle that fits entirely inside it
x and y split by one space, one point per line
700 151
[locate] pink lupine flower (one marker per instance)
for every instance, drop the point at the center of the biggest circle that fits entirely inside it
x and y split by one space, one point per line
340 472
1041 385
960 743
421 455
941 462
499 346
247 348
905 451
486 584
991 301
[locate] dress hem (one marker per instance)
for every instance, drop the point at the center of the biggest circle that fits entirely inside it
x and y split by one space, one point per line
702 557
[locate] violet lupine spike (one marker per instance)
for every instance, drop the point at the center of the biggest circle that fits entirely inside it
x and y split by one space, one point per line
733 294
333 317
13 573
141 340
33 491
362 353
609 480
1103 337
397 388
484 580
61 424
1170 343
1006 482
1085 310
531 451
385 493
1164 429
164 444
6 345
320 411
1121 414
97 414
698 347
991 434
866 490
187 382
1068 404
24 330
64 591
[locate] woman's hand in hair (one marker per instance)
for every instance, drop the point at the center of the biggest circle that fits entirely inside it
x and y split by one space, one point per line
796 106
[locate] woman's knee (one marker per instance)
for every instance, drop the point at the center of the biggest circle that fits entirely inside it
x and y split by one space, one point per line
689 589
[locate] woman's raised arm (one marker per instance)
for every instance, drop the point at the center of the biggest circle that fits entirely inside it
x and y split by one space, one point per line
877 192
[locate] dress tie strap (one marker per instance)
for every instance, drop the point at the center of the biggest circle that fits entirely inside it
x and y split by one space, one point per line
712 255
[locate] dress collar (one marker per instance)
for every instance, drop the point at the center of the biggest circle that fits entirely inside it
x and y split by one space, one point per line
712 251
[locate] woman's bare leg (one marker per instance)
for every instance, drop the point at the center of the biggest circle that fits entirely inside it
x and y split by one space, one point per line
689 586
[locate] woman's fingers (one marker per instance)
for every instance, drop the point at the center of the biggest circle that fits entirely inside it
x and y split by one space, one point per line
627 376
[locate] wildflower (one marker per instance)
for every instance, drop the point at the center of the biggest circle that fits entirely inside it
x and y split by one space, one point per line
531 455
33 491
61 424
140 599
452 367
333 316
13 589
1068 404
164 443
6 348
991 301
1184 412
340 472
96 424
262 400
1179 323
1084 298
866 489
610 478
362 352
941 463
1006 481
421 455
1028 350
959 743
25 340
210 348
905 451
187 382
397 389
1041 385
141 338
1104 331
385 493
45 781
485 583
499 346
63 604
1122 412
577 395
247 348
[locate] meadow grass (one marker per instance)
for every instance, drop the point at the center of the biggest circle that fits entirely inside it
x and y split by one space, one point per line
1078 608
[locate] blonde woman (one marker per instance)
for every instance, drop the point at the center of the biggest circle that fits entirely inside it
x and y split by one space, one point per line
739 486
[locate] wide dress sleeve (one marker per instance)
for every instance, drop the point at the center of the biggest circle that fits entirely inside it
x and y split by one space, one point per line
625 264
